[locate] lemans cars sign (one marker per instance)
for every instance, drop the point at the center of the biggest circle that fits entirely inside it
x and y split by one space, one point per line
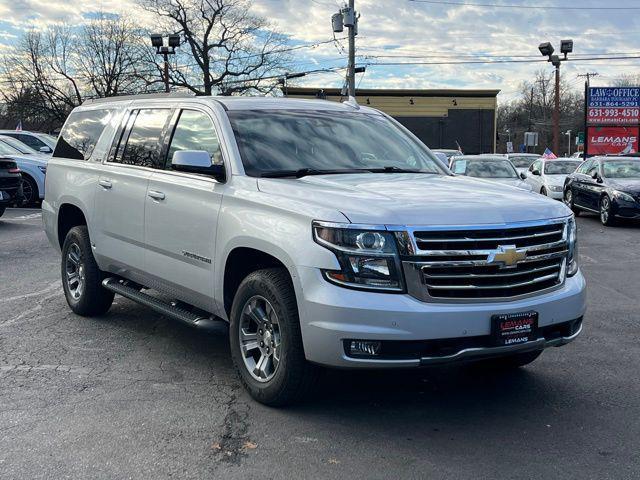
612 140
613 106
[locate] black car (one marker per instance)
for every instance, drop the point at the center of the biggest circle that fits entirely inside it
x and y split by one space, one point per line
609 186
10 184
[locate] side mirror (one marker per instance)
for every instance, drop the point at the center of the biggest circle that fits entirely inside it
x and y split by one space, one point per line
523 175
197 161
536 172
596 176
45 149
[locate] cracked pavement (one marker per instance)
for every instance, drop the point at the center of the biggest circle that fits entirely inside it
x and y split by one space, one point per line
135 395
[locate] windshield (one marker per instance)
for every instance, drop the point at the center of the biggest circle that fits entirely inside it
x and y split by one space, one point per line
6 149
522 162
621 169
484 168
282 141
559 167
18 145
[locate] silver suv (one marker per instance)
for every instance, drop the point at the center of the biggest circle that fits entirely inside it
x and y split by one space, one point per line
321 233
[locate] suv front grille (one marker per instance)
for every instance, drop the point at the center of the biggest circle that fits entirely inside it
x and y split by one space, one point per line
481 263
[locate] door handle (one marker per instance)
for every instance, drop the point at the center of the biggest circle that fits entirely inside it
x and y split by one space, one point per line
104 183
156 195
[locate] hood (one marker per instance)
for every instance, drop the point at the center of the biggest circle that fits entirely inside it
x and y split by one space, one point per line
416 199
512 182
557 180
629 185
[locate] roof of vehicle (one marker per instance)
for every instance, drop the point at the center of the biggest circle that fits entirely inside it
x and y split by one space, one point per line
532 155
242 103
484 157
8 130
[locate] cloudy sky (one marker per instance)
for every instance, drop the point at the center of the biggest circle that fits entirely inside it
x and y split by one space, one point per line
406 33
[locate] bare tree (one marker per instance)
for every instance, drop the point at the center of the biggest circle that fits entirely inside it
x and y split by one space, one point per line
627 80
226 49
58 68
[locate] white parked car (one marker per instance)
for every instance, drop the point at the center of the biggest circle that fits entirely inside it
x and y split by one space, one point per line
495 169
522 161
317 243
40 142
547 176
33 167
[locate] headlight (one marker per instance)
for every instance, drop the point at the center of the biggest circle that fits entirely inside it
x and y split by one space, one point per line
572 257
42 169
555 188
623 196
368 257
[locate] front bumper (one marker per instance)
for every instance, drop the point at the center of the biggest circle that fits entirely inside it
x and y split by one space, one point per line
330 315
555 195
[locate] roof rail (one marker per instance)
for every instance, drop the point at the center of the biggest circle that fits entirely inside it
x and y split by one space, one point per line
142 96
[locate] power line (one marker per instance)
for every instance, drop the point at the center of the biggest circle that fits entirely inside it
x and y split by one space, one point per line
482 62
526 7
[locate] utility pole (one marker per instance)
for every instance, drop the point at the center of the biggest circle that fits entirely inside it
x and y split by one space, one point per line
158 42
347 17
588 76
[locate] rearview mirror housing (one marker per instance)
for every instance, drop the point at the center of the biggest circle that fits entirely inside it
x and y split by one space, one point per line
523 175
535 172
45 149
197 161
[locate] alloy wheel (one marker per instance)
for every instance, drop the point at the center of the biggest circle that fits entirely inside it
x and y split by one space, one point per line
568 198
27 193
260 338
74 268
605 210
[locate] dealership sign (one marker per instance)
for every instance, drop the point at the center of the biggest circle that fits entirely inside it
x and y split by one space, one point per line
614 105
612 140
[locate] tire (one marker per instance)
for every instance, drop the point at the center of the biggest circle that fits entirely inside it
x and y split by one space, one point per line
606 214
509 362
543 191
266 297
30 191
2 209
81 277
568 201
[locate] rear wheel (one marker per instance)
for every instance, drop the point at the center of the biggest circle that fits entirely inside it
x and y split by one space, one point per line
81 277
266 343
606 213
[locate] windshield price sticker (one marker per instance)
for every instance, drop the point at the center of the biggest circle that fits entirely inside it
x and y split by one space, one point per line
460 167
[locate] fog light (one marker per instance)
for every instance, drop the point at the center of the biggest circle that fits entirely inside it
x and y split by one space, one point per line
364 347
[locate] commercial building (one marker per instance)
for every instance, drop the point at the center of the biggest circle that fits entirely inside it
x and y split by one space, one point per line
440 118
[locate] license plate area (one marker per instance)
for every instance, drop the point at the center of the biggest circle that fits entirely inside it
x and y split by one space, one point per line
514 328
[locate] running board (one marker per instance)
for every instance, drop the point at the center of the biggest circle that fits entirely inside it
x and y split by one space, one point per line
185 316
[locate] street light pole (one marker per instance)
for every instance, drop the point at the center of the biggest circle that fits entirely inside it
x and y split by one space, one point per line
568 134
158 42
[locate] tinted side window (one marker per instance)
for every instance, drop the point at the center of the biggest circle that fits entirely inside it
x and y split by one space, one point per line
585 166
30 140
195 131
80 134
143 147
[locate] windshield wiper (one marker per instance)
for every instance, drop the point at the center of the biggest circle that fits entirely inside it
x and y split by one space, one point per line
394 169
303 172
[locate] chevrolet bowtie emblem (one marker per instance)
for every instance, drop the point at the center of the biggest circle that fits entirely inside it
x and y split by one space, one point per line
506 256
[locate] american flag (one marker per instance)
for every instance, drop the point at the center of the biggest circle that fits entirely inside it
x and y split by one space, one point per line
549 154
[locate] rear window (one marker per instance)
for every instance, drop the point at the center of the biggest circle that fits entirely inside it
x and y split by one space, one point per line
80 134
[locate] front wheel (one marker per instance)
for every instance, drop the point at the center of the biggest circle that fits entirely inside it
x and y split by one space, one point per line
2 209
81 277
606 214
543 191
568 201
265 338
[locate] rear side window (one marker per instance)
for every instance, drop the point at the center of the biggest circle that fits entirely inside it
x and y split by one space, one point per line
143 146
80 134
30 140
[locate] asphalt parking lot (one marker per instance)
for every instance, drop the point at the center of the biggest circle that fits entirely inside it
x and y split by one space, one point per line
134 395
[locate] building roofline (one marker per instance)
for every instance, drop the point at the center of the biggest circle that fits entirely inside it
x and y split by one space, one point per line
449 92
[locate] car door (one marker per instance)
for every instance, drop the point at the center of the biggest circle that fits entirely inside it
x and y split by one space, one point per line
122 189
591 188
534 180
578 184
182 215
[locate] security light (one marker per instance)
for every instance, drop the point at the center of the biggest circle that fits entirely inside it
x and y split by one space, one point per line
174 40
555 60
156 40
546 49
566 46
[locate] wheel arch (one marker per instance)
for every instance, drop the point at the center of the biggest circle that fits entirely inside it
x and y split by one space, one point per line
69 216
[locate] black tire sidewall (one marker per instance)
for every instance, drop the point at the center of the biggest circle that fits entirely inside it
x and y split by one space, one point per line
274 391
94 300
35 194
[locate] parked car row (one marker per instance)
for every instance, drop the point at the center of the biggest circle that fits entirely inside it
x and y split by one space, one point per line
31 158
608 186
10 184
